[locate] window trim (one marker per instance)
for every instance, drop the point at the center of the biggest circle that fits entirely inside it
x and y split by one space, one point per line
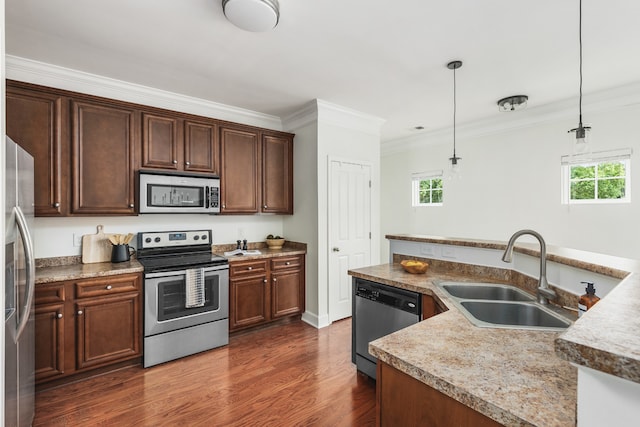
415 187
594 159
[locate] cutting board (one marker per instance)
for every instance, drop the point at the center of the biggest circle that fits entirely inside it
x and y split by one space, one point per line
96 247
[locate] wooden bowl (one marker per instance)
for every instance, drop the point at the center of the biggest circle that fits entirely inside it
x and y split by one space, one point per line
275 243
414 267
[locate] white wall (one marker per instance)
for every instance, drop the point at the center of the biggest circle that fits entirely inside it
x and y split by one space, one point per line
511 180
2 183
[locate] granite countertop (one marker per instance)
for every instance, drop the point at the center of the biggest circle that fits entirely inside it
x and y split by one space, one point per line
509 375
289 249
57 273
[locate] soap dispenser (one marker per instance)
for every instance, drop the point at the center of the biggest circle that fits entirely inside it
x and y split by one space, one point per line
588 299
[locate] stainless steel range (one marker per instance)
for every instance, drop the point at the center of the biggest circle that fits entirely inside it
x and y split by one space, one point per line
186 301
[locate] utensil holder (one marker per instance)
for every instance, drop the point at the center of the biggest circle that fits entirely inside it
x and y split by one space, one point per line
120 253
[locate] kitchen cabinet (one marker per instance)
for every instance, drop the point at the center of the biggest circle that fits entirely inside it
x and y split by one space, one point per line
176 144
38 122
87 324
256 171
265 290
405 401
103 160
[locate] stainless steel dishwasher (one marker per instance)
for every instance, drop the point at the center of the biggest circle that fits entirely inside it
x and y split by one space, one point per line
379 310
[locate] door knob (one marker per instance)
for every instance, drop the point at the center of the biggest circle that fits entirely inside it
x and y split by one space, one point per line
336 249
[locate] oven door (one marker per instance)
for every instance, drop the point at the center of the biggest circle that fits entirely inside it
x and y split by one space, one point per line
165 300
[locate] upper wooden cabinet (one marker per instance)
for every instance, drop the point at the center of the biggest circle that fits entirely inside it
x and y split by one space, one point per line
256 171
277 174
38 121
239 158
103 160
175 144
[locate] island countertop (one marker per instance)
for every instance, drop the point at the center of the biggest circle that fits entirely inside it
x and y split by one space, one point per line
510 375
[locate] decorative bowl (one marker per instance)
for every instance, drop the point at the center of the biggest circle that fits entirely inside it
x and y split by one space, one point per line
414 267
275 243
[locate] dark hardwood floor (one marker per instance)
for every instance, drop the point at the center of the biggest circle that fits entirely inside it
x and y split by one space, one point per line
285 375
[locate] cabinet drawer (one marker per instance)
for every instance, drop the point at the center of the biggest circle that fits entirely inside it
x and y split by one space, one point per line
49 294
282 263
107 286
247 268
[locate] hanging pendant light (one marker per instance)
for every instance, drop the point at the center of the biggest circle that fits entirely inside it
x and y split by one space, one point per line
581 142
455 167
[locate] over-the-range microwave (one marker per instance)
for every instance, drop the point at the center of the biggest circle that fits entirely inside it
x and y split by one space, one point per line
167 192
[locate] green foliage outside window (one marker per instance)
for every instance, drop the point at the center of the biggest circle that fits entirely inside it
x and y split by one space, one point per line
430 191
599 181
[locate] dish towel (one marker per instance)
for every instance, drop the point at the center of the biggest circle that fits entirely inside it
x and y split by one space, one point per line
194 295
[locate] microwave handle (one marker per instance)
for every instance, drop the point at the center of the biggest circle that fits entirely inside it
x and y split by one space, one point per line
207 199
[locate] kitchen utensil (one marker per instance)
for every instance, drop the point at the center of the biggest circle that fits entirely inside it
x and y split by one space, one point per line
96 247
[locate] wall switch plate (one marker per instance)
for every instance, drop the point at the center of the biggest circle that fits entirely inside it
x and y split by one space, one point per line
77 239
426 250
448 252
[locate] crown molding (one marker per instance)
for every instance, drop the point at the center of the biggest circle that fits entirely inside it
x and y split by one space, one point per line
338 115
41 73
606 100
306 115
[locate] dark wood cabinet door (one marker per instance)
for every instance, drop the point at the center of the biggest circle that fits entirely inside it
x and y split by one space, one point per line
286 293
38 122
160 142
277 174
108 329
201 148
248 301
103 159
49 341
239 171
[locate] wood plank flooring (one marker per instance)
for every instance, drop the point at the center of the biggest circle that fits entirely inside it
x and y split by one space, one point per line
285 375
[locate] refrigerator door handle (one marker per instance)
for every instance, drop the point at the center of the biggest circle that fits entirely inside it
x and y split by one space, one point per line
31 269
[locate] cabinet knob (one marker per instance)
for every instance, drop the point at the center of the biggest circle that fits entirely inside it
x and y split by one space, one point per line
79 312
287 263
175 162
109 287
59 315
187 163
249 268
56 205
131 205
224 206
264 280
264 207
275 280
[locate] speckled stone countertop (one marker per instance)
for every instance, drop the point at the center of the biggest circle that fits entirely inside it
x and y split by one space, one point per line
289 249
509 375
58 273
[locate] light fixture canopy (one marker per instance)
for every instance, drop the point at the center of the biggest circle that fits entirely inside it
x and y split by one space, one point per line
513 103
252 15
455 168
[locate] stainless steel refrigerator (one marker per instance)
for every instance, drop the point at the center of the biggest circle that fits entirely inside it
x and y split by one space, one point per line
19 273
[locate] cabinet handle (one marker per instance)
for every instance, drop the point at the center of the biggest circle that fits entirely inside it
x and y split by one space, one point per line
187 163
249 268
175 162
59 315
79 312
56 205
287 263
109 287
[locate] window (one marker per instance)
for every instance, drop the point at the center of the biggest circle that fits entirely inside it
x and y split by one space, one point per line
427 189
603 177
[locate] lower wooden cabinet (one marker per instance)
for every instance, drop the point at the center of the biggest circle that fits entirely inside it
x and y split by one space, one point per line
265 290
87 324
404 401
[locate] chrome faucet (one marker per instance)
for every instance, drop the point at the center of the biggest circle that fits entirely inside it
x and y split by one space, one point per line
544 292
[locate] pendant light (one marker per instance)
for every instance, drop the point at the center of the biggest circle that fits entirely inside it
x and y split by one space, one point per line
581 141
455 167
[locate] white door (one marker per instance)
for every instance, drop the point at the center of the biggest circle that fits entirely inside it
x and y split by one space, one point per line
349 230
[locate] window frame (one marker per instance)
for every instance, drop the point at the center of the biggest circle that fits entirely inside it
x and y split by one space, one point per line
416 179
595 159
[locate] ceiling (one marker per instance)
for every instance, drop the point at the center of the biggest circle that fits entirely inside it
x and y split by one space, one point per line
386 59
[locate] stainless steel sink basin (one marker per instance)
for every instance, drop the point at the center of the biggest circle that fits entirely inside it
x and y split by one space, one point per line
486 291
493 305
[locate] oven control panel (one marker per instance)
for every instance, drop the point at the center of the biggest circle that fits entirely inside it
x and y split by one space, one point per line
170 239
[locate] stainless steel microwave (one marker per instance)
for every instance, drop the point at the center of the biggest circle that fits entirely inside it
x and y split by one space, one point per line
178 193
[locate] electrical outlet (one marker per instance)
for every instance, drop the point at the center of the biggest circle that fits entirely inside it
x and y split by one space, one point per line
448 252
77 239
426 250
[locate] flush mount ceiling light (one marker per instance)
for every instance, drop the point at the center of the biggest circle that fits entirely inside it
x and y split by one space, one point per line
455 168
581 142
513 103
252 15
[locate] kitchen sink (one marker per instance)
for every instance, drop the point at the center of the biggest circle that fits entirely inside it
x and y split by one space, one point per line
486 291
493 305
